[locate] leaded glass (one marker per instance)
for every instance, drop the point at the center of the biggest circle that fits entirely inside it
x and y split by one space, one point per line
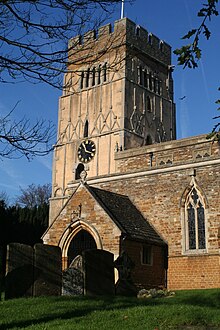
201 226
191 227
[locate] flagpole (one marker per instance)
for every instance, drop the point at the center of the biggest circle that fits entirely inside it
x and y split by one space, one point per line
122 9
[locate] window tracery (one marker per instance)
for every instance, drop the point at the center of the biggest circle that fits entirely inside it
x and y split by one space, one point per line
195 234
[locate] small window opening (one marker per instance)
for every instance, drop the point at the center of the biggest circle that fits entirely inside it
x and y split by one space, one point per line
86 129
137 30
155 85
145 78
147 255
87 77
150 38
105 72
93 76
161 46
159 87
149 104
150 82
140 75
99 75
148 140
82 80
79 170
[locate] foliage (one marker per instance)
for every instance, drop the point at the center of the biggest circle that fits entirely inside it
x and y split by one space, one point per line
190 54
198 308
26 221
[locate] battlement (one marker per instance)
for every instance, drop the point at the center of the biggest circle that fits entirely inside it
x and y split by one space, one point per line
132 34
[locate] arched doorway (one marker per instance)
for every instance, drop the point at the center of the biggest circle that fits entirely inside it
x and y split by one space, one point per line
83 240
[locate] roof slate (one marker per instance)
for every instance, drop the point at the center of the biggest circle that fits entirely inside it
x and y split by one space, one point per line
126 216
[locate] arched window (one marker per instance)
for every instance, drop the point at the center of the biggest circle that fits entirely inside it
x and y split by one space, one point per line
140 75
195 234
79 169
148 140
145 78
87 77
104 72
82 80
150 81
93 76
86 129
150 38
99 75
137 30
149 104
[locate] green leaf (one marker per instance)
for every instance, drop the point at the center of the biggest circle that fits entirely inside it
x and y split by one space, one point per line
206 32
198 53
189 34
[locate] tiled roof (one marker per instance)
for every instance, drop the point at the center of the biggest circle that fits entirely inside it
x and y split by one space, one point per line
125 215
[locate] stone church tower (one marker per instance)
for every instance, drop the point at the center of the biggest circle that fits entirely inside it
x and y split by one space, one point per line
121 182
119 95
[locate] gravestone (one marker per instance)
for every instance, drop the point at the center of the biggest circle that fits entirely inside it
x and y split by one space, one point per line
98 268
19 271
47 270
73 278
125 285
2 268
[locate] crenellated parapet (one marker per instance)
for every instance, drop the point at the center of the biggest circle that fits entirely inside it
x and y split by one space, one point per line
124 32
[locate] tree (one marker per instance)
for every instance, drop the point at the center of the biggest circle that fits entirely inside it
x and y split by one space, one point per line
34 35
21 138
34 46
34 196
190 54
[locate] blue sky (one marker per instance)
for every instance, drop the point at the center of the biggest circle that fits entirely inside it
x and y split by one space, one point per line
169 20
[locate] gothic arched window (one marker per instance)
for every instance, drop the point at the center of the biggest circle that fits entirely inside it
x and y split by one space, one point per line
86 129
195 235
87 77
93 76
149 104
105 72
82 80
79 169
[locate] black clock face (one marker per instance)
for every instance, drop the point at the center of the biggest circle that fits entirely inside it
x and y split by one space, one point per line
86 151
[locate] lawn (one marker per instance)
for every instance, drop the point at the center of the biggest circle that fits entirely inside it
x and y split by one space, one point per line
197 309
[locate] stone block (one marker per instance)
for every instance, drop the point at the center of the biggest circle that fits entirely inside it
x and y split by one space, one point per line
47 270
19 271
98 268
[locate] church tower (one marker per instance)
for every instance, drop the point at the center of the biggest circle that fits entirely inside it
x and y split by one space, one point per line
118 95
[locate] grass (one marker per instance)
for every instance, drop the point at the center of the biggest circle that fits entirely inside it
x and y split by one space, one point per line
197 309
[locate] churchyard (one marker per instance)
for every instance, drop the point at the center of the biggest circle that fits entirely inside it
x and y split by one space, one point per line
38 295
197 309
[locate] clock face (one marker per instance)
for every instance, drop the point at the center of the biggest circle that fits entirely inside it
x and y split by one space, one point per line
86 151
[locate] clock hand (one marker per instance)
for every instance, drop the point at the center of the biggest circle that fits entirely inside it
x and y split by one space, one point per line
84 147
90 152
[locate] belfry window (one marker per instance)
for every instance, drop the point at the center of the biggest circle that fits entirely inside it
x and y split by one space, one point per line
99 75
87 77
93 76
140 75
86 129
149 104
195 222
82 80
105 72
